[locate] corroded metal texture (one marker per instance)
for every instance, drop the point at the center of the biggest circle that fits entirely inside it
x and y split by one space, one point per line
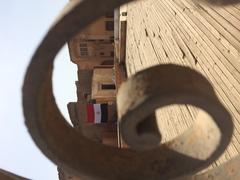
138 98
164 85
229 170
5 175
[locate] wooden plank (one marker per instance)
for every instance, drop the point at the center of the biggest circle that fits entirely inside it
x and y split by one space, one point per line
186 33
123 36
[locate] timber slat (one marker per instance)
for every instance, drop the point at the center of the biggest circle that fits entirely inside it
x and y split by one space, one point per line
186 33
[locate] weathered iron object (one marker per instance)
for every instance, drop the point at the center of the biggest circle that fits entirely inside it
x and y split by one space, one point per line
69 149
163 85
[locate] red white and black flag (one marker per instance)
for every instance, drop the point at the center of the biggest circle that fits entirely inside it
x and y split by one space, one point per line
97 113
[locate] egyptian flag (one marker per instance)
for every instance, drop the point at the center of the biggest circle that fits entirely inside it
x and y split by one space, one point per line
97 113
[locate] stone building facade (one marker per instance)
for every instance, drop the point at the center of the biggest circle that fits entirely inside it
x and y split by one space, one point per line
92 50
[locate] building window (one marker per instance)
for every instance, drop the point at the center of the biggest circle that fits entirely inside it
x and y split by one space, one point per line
83 53
83 49
112 54
109 25
108 86
124 13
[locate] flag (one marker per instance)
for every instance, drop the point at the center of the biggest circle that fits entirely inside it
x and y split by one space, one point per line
97 113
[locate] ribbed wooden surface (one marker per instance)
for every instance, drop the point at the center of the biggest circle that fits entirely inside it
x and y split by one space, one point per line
202 37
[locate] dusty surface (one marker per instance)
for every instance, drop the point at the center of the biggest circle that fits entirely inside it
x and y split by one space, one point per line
206 39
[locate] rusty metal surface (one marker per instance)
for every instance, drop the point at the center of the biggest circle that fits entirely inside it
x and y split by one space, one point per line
5 175
227 171
137 99
164 85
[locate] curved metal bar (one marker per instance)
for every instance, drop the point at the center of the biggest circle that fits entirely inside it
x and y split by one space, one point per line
64 145
6 175
163 85
220 2
228 170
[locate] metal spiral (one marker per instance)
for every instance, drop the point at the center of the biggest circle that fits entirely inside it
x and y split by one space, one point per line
137 99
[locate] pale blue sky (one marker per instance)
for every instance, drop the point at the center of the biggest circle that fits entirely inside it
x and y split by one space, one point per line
23 25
